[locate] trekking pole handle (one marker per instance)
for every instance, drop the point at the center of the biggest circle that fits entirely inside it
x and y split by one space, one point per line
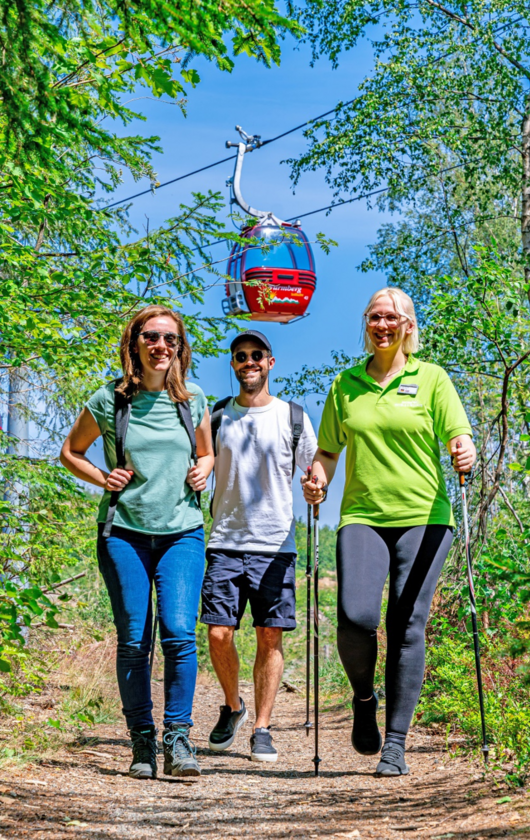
461 475
316 508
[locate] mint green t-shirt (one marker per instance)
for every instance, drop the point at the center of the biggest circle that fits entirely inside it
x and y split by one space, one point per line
157 500
394 476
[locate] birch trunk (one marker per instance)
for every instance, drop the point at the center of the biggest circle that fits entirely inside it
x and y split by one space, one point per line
525 193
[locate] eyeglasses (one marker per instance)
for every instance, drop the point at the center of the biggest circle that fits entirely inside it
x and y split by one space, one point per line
256 355
373 319
153 336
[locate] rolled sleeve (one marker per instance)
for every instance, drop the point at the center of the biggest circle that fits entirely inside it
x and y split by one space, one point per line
100 406
450 418
331 435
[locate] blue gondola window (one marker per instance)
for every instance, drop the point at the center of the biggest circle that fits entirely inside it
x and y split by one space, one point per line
283 255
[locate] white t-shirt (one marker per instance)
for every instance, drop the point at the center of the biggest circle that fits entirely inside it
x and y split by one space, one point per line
253 501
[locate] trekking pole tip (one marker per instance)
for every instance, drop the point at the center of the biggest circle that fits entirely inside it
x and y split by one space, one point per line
485 752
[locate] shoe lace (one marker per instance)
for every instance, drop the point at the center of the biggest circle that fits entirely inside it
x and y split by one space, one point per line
180 745
144 748
392 754
262 738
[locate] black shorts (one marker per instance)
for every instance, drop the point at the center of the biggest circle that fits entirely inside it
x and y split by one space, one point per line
267 581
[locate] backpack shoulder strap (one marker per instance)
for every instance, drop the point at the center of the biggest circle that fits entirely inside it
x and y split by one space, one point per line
122 414
184 411
296 413
215 423
216 418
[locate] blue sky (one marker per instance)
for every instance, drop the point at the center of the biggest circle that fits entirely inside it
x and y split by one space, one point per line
267 102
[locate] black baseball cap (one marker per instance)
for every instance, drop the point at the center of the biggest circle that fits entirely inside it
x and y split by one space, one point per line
251 335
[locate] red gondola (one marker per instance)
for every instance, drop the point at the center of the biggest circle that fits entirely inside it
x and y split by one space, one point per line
274 278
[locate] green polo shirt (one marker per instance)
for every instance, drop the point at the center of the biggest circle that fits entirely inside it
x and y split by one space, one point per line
393 472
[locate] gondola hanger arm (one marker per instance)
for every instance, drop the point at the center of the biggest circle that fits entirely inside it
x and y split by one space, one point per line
248 143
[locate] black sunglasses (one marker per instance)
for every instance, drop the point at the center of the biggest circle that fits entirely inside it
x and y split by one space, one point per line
152 336
256 356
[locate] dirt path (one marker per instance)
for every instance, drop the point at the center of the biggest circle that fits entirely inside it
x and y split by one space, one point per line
85 792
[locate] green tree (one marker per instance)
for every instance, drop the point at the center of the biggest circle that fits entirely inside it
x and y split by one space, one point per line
441 131
442 124
73 270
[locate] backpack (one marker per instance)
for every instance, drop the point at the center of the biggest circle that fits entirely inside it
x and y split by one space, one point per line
122 414
296 419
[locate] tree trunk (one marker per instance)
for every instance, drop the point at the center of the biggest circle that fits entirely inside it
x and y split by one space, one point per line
525 193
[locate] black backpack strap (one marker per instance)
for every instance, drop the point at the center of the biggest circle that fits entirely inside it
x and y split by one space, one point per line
215 423
122 413
216 418
184 411
297 426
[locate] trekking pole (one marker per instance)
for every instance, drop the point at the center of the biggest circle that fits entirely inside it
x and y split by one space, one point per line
316 514
462 479
153 641
308 573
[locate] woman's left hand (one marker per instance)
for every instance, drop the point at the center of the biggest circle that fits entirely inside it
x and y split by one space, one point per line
465 455
196 478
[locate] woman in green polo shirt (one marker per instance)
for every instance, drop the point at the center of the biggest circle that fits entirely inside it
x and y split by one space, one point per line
389 412
157 535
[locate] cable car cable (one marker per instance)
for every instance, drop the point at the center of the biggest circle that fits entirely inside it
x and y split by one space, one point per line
340 203
166 183
278 136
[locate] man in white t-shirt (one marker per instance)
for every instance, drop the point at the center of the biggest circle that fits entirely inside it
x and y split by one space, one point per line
251 551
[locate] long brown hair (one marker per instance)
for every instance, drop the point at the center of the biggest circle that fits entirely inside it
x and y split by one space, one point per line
130 360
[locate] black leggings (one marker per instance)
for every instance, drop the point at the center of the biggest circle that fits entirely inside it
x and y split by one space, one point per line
414 558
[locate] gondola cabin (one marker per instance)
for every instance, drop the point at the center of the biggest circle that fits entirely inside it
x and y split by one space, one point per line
275 280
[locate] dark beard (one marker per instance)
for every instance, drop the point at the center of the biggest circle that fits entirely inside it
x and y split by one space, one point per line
253 387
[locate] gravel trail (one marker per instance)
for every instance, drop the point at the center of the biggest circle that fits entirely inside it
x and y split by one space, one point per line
84 790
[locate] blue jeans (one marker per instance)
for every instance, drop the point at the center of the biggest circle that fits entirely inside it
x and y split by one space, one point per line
130 562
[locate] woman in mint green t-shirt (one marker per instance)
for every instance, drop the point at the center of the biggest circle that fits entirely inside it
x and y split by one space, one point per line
157 535
389 412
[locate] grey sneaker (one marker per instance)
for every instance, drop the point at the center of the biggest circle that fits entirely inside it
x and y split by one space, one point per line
392 761
261 748
179 753
144 749
225 730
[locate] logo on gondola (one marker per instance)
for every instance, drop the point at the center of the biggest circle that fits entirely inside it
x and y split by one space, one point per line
283 300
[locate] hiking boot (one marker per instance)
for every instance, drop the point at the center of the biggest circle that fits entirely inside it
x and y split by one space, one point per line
225 730
365 737
179 753
144 749
392 761
261 748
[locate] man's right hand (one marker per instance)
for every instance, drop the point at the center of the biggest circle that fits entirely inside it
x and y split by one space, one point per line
118 479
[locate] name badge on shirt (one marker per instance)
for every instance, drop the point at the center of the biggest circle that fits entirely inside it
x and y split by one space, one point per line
408 389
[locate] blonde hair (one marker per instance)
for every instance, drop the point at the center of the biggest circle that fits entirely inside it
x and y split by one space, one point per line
404 306
130 360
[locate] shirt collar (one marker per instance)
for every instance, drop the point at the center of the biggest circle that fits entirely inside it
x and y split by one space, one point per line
359 370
